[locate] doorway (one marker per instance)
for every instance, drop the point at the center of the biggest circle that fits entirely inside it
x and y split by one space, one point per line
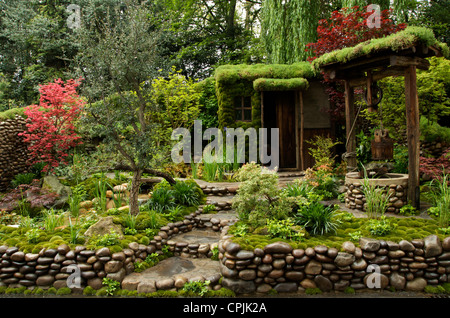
279 111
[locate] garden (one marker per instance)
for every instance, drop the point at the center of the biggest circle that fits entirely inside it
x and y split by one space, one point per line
90 198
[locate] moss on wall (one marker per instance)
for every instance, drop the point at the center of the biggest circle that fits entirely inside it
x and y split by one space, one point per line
239 80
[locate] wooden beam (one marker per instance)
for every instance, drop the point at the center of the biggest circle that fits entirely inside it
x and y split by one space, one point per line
406 61
413 135
376 76
349 121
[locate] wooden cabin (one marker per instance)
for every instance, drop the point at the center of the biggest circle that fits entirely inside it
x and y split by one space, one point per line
288 97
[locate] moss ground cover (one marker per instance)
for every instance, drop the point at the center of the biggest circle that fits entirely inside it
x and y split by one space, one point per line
31 235
349 229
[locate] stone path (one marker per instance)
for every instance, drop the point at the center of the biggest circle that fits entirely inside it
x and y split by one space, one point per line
174 272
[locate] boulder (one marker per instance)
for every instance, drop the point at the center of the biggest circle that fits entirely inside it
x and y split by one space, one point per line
432 246
397 281
239 286
104 225
344 259
52 184
417 284
369 244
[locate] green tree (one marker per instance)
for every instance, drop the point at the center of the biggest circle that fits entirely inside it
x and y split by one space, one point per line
204 34
286 28
434 15
36 46
118 59
178 98
433 90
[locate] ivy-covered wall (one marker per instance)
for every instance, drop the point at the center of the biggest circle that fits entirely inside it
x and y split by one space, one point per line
248 80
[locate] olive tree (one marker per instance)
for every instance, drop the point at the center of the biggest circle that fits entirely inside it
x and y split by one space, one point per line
119 57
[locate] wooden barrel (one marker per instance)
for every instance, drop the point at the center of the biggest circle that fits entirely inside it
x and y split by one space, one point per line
382 146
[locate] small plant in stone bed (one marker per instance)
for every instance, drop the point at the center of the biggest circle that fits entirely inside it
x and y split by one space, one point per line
196 288
111 285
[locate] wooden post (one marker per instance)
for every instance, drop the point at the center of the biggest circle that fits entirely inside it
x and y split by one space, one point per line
302 129
413 135
349 123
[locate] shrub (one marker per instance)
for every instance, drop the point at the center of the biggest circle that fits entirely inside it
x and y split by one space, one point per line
380 227
400 159
187 193
162 199
322 181
259 197
284 229
317 218
321 151
50 130
23 178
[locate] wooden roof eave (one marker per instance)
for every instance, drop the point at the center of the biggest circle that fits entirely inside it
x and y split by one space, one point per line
382 64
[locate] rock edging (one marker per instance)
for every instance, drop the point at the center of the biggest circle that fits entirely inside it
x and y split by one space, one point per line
375 264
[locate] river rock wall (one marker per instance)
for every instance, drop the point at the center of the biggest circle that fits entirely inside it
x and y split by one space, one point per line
375 264
13 151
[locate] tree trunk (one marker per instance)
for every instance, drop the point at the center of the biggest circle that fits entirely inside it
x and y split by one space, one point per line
134 192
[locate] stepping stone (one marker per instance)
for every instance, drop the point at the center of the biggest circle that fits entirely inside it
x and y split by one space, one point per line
173 269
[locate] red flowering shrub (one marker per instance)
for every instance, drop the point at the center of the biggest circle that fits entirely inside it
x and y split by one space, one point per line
50 128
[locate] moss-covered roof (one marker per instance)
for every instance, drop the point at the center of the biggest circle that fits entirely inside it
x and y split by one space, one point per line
234 73
407 38
271 84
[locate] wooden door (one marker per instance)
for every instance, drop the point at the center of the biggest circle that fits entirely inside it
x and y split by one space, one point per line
286 123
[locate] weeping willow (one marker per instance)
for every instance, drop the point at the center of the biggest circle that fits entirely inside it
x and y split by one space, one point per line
287 26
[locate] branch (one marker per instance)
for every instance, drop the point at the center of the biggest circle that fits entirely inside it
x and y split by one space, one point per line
157 173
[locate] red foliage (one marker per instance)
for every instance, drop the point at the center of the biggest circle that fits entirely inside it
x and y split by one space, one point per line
33 194
347 28
50 128
435 167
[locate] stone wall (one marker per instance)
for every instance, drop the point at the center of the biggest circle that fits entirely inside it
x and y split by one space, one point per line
404 266
52 267
13 151
355 198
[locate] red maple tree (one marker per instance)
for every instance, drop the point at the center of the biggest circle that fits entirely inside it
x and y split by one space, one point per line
50 127
346 28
